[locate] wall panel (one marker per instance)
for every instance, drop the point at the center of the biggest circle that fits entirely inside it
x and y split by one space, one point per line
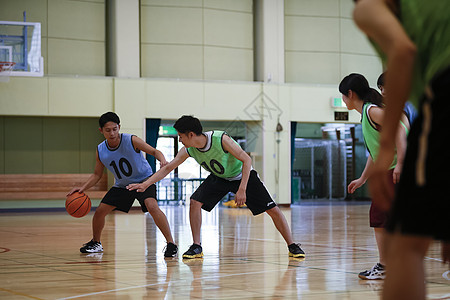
172 61
319 37
61 150
76 57
48 145
23 145
76 37
176 40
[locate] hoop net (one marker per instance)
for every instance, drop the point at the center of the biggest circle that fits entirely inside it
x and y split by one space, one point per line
6 68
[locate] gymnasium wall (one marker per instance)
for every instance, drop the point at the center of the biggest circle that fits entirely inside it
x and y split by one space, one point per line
323 44
73 33
202 39
197 39
43 145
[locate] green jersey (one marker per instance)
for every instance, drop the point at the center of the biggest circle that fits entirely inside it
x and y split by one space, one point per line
214 159
371 134
427 23
428 26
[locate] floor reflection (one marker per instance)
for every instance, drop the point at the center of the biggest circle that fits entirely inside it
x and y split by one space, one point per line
245 256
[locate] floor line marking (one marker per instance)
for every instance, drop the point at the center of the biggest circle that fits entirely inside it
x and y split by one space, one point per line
307 244
20 294
431 258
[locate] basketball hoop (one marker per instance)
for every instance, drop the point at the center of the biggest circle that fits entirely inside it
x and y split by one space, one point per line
6 68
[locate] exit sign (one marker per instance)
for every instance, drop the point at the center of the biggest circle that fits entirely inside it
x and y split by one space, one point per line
337 102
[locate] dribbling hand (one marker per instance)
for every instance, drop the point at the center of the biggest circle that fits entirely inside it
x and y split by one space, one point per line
75 189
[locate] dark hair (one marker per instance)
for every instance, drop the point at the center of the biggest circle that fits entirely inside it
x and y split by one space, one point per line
186 124
380 80
358 84
108 117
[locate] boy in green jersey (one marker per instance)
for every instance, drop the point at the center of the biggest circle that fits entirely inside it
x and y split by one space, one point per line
231 171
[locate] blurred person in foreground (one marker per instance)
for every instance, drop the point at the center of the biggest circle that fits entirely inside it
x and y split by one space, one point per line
412 37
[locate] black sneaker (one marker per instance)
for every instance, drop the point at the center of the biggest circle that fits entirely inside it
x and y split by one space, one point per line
296 251
195 251
170 250
91 247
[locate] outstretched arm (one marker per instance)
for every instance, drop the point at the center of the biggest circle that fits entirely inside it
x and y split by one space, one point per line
162 172
139 144
93 179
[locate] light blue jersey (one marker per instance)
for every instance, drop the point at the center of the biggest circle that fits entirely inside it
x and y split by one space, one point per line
127 165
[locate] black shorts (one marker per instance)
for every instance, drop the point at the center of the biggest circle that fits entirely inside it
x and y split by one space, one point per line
214 188
422 203
123 199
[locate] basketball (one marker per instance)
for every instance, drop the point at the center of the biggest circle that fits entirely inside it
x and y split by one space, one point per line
78 204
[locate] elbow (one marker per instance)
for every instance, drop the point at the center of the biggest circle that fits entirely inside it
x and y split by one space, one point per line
97 175
406 52
410 51
248 160
168 168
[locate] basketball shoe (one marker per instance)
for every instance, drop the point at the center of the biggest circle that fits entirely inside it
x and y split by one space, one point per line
170 250
91 247
377 272
296 251
195 251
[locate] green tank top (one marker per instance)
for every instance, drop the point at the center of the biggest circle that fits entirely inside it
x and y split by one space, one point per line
427 24
214 159
372 135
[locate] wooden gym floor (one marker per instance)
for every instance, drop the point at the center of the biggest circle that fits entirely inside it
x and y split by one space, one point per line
245 257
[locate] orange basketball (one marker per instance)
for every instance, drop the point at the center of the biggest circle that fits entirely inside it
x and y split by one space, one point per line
78 204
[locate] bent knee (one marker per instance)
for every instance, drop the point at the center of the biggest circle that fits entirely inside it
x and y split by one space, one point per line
103 209
152 205
196 203
273 210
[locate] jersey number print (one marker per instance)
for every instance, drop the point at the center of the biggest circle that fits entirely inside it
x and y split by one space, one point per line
124 166
214 167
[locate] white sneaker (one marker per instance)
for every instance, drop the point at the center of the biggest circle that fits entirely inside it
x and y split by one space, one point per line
377 272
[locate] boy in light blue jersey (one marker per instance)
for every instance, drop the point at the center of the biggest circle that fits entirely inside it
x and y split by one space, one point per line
121 154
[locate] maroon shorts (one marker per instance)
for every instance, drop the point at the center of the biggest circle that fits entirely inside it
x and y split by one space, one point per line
378 217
